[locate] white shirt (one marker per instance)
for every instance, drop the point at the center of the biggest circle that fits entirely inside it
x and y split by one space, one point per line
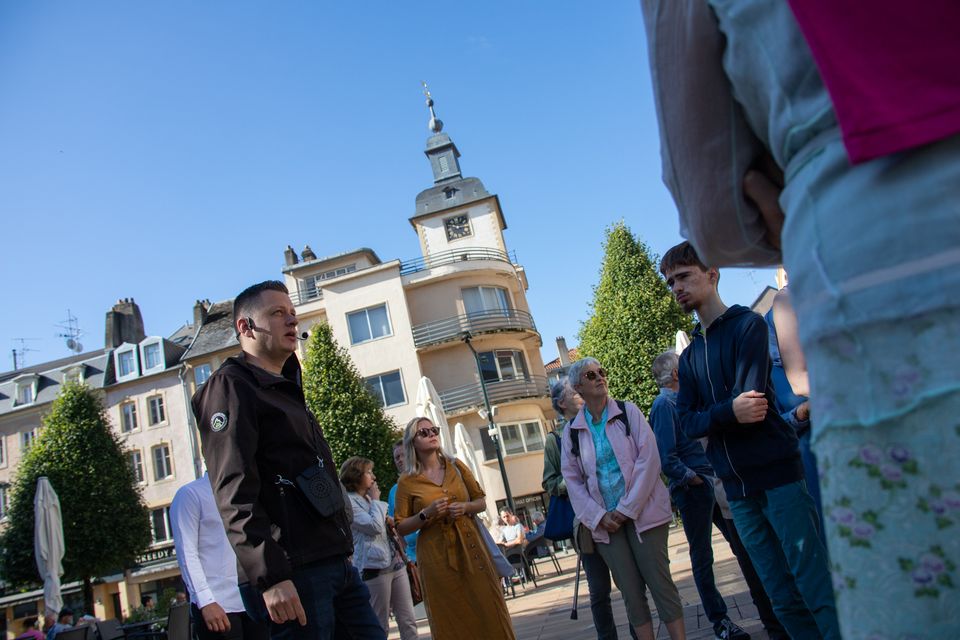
511 532
207 561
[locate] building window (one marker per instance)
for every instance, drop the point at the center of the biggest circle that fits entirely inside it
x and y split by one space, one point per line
160 524
483 300
201 373
27 438
311 285
3 502
73 374
126 364
25 394
151 356
155 410
128 416
503 364
525 437
458 227
387 388
136 463
3 451
368 324
444 164
162 467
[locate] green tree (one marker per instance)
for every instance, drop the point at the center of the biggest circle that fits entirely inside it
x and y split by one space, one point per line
634 317
105 523
353 422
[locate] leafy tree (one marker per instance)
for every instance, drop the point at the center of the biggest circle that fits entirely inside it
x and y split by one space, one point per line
353 422
105 523
634 317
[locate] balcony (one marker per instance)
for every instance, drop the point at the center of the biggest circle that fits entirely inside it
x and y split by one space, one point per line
490 321
455 256
307 295
457 399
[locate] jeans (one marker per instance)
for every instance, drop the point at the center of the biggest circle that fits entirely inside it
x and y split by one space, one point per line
696 504
599 584
335 599
779 530
812 479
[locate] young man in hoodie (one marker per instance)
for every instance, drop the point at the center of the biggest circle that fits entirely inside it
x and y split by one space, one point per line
726 395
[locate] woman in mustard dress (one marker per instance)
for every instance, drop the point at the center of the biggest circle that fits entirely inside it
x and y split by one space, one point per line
439 496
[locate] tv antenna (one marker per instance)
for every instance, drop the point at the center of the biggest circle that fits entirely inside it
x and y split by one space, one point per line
71 332
20 355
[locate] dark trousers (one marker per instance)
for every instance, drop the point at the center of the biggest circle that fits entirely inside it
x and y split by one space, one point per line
599 584
242 627
696 504
336 601
760 600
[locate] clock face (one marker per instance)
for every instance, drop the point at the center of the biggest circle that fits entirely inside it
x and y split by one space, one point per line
457 227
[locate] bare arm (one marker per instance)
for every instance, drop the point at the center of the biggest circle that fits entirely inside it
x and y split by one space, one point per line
788 337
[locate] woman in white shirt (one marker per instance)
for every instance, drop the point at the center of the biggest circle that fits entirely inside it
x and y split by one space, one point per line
381 567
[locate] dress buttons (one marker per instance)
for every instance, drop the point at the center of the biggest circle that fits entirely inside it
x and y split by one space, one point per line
473 546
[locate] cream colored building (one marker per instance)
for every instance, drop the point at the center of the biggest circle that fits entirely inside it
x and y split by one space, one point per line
402 320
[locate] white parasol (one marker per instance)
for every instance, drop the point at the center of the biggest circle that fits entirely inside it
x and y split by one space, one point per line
429 406
683 341
466 452
48 543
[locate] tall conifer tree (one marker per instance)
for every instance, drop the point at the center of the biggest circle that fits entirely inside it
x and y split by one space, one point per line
105 523
352 420
634 318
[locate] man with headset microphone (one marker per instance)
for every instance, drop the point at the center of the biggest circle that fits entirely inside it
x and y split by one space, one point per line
274 479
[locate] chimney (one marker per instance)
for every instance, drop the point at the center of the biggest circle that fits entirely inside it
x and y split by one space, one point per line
564 352
290 256
124 324
200 310
308 254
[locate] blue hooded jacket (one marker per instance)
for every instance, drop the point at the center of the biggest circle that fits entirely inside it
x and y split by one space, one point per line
723 361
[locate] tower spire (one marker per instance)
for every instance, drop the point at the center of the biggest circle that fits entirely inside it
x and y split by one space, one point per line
435 124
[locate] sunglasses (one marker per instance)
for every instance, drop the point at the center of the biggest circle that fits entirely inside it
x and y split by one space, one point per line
592 375
426 432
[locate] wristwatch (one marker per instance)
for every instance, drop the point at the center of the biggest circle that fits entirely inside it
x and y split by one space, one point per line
423 516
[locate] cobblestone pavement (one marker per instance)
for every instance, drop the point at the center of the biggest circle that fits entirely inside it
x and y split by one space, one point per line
543 612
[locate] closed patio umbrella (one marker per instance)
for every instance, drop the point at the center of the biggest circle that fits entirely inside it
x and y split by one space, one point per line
48 543
683 341
466 452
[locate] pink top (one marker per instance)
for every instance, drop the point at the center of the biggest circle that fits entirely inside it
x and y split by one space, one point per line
645 500
892 69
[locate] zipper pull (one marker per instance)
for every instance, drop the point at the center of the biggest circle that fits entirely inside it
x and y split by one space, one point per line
320 462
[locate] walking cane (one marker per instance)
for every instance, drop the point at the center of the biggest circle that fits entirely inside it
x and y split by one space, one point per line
576 589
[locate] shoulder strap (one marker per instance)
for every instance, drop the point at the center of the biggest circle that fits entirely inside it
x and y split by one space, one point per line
574 442
623 413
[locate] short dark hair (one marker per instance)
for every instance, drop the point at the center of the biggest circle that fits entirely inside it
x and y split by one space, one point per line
682 255
397 444
352 471
144 600
65 612
245 303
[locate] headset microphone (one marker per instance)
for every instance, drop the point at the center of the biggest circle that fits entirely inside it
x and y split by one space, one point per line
303 336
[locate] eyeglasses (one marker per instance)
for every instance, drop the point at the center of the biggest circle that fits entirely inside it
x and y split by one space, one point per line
592 375
426 432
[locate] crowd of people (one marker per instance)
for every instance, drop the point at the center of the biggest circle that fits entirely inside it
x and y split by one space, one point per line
820 440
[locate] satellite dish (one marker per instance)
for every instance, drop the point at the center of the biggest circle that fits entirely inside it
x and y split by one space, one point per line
71 344
79 347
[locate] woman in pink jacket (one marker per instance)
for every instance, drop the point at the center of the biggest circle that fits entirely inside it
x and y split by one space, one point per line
611 466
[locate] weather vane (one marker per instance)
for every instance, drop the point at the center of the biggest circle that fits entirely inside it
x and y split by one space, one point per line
435 124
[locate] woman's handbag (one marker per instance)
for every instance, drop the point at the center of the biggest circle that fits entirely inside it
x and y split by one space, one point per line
504 569
413 574
559 525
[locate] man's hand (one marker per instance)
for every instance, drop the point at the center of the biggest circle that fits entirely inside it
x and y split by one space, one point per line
763 185
215 618
750 407
283 603
609 523
803 411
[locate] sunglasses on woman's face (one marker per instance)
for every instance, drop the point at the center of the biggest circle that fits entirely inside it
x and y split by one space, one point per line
592 375
426 432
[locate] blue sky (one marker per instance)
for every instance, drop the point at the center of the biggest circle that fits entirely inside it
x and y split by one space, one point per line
169 151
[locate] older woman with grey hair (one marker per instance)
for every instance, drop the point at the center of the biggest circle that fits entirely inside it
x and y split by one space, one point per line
611 467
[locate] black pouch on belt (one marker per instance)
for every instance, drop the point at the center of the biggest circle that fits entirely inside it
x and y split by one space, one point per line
320 490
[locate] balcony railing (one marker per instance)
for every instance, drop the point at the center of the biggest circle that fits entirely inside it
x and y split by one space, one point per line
305 296
454 256
471 395
491 321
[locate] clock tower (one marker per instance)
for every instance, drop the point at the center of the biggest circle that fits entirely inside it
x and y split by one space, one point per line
456 212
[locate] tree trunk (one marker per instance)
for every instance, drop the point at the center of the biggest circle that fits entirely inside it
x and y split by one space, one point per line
87 595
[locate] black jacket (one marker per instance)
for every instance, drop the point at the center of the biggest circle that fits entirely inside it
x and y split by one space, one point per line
255 427
723 361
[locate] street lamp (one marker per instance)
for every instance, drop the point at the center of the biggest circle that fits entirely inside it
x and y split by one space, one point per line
491 427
